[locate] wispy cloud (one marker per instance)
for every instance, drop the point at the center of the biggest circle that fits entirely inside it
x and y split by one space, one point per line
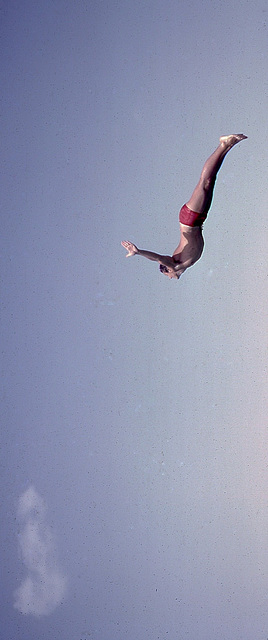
44 586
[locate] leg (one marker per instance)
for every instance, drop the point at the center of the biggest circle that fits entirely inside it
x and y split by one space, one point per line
201 198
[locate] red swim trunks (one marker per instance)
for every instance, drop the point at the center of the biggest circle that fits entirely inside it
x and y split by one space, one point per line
191 218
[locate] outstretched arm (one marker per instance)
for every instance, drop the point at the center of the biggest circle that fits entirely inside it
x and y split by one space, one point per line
132 250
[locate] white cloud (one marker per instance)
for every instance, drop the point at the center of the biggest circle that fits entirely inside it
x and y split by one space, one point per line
44 586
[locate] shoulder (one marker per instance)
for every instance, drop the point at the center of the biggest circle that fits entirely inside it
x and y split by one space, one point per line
176 258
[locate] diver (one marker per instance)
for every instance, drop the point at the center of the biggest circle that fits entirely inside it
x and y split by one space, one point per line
191 217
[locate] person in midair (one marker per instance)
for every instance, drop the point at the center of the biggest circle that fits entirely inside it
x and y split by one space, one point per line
191 217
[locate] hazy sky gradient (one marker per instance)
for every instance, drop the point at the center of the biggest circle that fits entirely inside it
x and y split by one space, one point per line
134 408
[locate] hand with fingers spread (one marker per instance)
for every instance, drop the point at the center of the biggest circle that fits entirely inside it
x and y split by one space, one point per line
130 247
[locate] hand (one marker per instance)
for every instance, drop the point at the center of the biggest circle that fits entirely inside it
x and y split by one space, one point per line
131 248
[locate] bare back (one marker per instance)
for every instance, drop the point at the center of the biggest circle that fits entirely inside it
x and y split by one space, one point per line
191 244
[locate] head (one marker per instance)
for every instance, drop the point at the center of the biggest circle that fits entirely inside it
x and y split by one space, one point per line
168 272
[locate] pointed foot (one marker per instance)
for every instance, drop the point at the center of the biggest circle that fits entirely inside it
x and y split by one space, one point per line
232 139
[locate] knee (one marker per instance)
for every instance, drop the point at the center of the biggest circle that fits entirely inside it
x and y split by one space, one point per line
208 182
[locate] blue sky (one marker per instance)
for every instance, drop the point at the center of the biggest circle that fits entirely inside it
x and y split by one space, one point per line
134 439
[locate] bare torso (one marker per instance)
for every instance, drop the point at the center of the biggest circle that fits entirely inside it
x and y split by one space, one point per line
191 245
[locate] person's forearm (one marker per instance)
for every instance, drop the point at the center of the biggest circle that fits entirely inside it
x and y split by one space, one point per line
165 260
180 267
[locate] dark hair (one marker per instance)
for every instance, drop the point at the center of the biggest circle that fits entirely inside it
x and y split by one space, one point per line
163 269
